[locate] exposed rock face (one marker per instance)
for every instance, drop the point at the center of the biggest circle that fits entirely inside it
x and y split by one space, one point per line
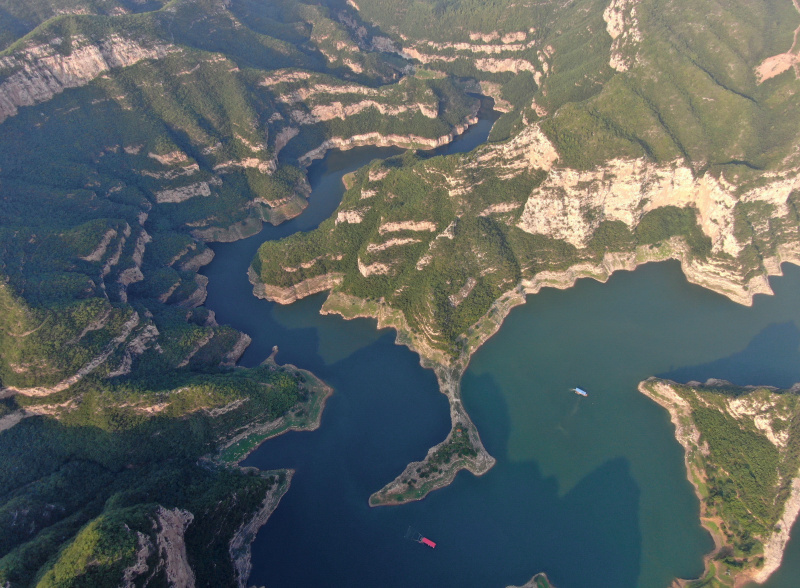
623 27
88 368
625 190
777 64
296 292
501 65
168 542
144 549
426 226
326 112
529 150
172 546
198 261
768 411
379 140
240 544
183 193
100 250
237 350
42 71
9 420
143 341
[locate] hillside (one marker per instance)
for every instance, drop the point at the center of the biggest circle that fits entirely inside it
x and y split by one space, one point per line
134 132
741 448
630 136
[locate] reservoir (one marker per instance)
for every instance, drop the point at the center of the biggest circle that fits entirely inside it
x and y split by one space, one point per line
592 491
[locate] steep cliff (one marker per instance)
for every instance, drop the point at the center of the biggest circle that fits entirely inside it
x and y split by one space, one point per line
37 72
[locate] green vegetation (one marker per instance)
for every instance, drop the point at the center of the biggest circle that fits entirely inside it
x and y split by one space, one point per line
110 189
661 224
122 452
743 466
436 470
99 249
688 93
445 277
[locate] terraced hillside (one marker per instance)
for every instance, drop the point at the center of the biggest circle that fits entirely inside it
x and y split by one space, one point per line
632 134
132 133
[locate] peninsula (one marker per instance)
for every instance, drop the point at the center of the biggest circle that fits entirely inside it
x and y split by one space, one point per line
135 133
741 448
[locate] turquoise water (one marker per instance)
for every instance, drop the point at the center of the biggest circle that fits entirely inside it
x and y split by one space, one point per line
591 491
606 338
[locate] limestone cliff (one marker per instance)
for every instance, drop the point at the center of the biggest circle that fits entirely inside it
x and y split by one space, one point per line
239 548
37 72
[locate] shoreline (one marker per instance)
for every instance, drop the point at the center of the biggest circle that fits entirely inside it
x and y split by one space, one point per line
688 436
240 547
350 307
403 489
236 449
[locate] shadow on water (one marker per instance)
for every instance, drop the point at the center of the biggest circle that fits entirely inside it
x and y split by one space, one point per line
507 525
588 536
771 358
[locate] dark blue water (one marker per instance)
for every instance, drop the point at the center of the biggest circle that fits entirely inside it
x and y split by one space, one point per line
592 491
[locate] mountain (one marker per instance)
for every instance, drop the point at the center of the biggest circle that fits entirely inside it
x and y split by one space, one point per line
134 132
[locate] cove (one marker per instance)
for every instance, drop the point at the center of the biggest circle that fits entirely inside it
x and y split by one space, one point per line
591 491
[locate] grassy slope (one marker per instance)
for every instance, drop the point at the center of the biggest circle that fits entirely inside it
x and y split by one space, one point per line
110 462
692 94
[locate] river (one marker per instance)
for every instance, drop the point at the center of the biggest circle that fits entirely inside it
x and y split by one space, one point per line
592 491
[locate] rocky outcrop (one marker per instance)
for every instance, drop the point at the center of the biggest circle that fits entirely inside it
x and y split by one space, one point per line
777 64
425 226
88 368
379 140
40 71
757 411
144 548
296 292
11 419
236 351
183 193
504 65
528 150
241 230
623 27
170 541
625 190
198 295
538 581
196 262
239 548
326 112
100 250
144 340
